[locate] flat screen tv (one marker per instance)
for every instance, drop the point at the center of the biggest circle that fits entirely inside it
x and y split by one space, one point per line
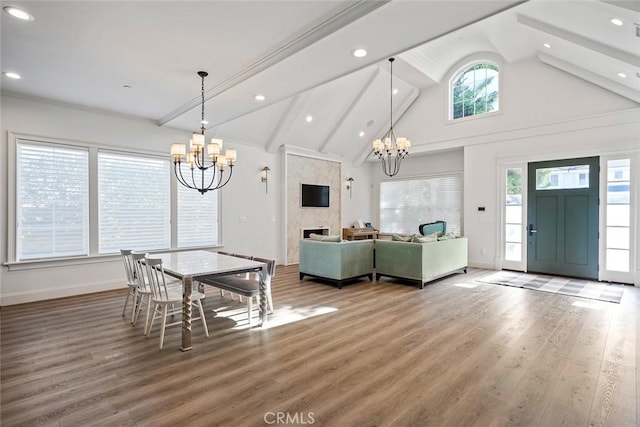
315 196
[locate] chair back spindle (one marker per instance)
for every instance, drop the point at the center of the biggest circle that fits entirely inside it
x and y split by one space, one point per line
155 276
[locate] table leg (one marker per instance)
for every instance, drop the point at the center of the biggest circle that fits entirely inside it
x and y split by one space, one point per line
186 313
263 296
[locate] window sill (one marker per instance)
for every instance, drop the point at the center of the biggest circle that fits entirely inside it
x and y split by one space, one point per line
84 260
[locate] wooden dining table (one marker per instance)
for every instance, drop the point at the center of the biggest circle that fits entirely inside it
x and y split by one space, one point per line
189 265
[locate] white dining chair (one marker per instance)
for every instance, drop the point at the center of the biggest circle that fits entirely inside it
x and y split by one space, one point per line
165 296
131 282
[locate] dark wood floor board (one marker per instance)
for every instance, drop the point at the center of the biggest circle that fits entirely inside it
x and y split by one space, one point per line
456 353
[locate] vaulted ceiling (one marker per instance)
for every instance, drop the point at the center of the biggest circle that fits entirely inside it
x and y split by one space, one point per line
141 58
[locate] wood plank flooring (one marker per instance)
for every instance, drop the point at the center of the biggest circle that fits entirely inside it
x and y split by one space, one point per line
457 353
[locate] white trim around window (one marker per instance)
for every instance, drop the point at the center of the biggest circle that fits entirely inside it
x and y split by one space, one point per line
92 254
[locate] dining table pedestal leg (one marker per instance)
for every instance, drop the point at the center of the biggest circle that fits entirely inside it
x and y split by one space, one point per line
263 297
186 313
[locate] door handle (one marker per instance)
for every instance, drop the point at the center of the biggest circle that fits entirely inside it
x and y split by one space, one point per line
531 230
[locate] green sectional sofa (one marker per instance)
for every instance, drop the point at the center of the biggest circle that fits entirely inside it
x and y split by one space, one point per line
336 261
420 262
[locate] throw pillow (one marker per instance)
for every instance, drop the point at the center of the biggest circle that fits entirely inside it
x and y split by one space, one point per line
424 239
325 238
399 238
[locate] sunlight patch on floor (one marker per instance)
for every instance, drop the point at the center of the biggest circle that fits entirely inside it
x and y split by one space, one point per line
465 285
282 315
591 305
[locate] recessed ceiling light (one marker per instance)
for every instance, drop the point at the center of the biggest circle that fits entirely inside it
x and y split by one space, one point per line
622 75
18 13
616 21
395 91
359 53
361 134
204 122
309 119
547 45
259 97
12 75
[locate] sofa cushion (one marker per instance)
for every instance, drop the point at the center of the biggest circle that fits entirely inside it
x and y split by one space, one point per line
324 238
433 237
399 238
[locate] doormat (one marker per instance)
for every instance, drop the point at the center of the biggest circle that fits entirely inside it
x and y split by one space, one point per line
558 285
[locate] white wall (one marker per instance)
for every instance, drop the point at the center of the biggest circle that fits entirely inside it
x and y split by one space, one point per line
248 224
358 206
532 94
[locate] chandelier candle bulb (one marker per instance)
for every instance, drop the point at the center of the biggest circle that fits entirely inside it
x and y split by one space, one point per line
213 149
222 161
178 150
231 154
198 139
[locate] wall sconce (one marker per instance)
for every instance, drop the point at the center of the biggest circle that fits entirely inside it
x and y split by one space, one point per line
264 178
349 185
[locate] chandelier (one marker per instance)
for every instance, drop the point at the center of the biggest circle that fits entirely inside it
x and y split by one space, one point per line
392 150
206 170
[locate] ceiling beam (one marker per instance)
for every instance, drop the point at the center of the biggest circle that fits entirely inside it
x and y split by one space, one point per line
344 16
588 43
632 5
296 105
595 79
400 111
349 110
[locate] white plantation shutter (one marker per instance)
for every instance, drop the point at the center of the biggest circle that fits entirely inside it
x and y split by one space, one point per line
134 202
405 204
52 201
197 218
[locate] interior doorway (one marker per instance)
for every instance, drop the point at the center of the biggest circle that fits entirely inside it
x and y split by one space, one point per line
562 217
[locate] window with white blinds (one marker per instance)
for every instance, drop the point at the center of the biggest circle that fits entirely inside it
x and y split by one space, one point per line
52 201
405 204
134 202
197 218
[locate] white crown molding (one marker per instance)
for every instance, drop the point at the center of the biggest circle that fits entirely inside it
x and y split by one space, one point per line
87 109
617 118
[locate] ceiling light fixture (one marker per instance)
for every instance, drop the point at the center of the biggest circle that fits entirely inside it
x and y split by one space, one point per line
361 134
18 13
259 97
359 53
547 45
196 158
392 150
622 75
395 91
616 21
12 75
309 119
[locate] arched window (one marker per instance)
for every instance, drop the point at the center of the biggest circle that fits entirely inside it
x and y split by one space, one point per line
475 90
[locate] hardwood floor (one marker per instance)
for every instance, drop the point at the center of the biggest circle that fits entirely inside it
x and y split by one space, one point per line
458 353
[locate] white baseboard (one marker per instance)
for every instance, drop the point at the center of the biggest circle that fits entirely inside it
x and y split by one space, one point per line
51 293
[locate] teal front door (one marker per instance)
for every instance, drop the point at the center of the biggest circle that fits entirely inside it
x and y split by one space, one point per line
562 217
